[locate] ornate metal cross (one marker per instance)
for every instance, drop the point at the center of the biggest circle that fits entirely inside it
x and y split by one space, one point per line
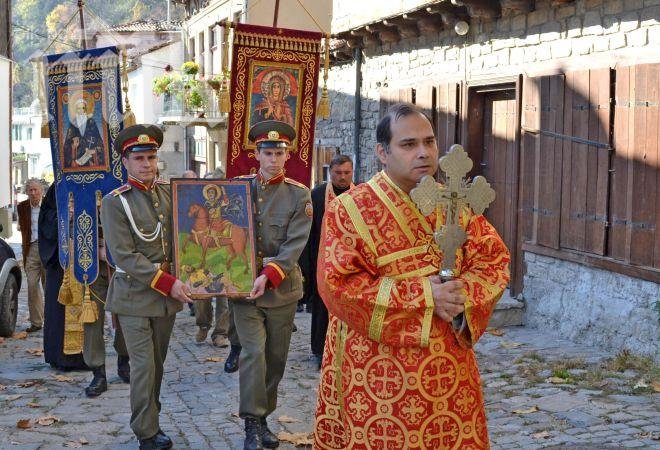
452 196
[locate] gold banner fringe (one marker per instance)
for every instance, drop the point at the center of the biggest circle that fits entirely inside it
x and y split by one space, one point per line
323 108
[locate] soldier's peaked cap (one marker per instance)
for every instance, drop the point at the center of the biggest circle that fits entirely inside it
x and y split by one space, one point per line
272 133
138 138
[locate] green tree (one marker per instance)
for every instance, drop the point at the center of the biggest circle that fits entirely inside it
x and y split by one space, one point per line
36 23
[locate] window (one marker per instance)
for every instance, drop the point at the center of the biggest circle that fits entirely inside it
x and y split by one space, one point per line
29 133
213 38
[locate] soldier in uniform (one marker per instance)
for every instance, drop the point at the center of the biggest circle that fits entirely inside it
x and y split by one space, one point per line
264 320
145 297
93 343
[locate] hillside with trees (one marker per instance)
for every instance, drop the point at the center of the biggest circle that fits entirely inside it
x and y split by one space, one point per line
52 26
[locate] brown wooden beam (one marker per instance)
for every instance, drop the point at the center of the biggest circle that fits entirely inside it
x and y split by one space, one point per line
389 36
515 6
484 9
429 25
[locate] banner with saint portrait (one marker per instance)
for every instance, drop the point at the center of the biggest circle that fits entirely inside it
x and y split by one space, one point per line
274 76
83 96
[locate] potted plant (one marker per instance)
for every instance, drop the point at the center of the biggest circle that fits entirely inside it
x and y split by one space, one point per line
190 68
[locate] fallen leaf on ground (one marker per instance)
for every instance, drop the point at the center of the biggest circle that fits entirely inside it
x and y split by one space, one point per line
2 387
529 410
213 359
656 386
2 340
33 404
541 435
35 351
11 398
297 439
19 335
495 331
511 344
23 424
63 378
556 380
77 444
25 384
47 420
287 419
234 414
208 372
640 385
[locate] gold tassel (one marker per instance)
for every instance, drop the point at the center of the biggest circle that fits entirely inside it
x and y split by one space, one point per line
129 117
89 310
223 94
323 108
65 297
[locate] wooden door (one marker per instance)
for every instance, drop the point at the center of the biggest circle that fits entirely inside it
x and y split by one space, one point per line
498 162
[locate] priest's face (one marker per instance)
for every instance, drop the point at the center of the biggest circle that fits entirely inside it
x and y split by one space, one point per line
412 152
341 175
142 165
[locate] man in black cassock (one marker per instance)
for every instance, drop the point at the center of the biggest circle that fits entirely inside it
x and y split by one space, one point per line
53 311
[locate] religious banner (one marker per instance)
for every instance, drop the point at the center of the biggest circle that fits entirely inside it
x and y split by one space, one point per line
83 99
274 76
213 237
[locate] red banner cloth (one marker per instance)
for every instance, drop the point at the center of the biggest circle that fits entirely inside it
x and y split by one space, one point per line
274 76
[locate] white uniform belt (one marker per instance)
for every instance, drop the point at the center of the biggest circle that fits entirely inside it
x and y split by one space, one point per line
120 270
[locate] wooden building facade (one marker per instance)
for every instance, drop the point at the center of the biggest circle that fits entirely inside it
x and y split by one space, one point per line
557 103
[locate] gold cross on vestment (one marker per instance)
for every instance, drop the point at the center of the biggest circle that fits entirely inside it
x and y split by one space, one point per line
452 196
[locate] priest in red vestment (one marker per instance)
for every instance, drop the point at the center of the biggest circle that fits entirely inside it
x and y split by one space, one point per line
395 373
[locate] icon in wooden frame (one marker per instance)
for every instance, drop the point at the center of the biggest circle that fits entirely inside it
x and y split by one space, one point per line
213 236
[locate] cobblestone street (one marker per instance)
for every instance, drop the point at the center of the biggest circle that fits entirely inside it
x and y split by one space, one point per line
540 393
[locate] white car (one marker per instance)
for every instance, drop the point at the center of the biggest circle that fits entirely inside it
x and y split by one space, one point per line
10 284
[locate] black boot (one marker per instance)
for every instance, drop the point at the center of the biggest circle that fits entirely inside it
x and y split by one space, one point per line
252 434
268 438
99 383
123 369
231 364
158 441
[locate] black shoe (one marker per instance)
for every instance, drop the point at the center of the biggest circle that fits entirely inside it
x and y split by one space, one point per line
231 364
252 435
191 308
123 369
300 307
268 438
33 328
156 442
295 328
99 383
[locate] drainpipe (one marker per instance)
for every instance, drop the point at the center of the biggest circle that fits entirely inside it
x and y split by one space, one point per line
357 56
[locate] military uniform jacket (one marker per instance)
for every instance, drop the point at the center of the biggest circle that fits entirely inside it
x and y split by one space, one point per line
139 286
282 220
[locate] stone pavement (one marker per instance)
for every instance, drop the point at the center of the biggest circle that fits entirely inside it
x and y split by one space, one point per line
598 405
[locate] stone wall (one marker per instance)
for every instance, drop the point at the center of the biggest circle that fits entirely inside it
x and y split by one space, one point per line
585 33
592 306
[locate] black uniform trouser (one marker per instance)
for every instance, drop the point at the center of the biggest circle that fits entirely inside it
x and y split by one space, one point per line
319 324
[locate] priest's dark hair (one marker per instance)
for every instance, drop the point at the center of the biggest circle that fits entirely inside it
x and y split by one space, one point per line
338 160
394 113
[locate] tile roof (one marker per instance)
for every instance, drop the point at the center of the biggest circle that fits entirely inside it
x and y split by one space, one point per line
148 25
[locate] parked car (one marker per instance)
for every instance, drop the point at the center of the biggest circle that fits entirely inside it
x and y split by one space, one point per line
10 284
